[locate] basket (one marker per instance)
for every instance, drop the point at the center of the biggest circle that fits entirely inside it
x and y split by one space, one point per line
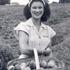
59 65
28 60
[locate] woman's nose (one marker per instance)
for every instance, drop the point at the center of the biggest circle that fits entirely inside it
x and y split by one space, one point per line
37 10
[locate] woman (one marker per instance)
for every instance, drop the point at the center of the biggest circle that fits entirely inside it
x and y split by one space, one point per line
46 12
34 33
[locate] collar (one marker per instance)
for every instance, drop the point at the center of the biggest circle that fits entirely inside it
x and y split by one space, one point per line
30 24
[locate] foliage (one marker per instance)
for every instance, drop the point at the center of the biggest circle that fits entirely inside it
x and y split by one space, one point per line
3 2
6 54
62 51
64 1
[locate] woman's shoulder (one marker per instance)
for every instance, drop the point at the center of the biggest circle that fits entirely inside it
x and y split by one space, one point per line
22 26
49 27
25 23
46 26
50 30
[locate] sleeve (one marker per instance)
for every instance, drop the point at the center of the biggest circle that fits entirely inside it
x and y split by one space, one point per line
52 33
20 27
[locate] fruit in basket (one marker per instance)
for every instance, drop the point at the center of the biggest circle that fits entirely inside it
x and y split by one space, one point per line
11 67
52 63
17 67
23 66
41 68
27 68
32 64
43 64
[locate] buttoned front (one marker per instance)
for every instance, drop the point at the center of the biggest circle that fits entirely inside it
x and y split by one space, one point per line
37 39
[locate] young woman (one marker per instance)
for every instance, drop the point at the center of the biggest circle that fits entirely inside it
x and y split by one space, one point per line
34 33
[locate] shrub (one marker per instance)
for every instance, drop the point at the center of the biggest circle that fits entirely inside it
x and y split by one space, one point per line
6 54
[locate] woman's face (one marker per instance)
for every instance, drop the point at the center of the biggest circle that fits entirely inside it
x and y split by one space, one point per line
37 10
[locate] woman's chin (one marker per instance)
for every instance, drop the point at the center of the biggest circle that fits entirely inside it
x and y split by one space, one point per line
37 17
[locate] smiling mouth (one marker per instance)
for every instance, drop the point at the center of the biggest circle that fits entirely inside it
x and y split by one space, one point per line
37 13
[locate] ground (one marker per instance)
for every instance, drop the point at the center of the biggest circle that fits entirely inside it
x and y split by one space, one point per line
10 16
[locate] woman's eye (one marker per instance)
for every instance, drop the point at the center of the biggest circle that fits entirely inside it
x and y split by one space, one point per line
34 7
40 7
37 7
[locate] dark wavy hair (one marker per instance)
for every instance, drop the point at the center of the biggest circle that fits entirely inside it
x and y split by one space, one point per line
45 16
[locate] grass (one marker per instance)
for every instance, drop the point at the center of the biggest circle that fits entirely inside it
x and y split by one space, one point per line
10 16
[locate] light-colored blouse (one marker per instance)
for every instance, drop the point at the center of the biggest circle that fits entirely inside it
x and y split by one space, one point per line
37 39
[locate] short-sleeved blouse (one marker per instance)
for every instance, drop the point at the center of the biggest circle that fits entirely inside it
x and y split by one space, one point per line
37 39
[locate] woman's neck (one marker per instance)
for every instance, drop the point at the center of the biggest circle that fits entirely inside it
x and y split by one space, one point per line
37 23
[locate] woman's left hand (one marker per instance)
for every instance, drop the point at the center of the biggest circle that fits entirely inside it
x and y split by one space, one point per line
46 52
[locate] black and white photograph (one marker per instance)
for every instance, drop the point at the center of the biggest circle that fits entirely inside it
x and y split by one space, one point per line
34 34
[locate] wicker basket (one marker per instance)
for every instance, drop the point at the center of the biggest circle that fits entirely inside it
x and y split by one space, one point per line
19 61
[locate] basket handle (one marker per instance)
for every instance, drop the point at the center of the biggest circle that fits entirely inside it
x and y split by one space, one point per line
36 59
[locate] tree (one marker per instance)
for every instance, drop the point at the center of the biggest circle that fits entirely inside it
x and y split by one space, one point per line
64 1
3 2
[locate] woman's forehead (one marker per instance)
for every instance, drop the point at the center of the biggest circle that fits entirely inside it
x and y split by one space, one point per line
37 3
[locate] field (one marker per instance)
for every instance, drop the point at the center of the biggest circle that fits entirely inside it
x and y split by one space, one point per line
10 16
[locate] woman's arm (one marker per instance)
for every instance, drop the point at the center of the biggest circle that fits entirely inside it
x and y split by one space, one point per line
24 44
23 41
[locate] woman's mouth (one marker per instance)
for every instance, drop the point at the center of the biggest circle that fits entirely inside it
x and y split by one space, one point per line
37 13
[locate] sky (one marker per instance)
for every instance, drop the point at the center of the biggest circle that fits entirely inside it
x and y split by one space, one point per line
24 2
53 0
